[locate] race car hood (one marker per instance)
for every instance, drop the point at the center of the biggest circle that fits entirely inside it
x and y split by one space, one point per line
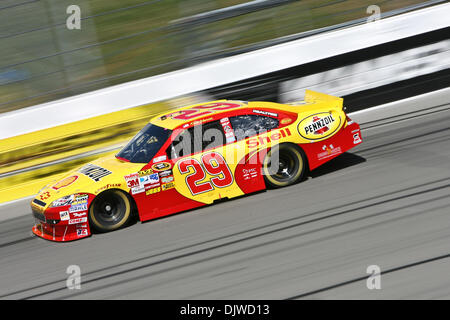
94 177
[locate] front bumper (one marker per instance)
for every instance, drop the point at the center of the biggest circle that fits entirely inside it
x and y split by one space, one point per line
61 224
60 233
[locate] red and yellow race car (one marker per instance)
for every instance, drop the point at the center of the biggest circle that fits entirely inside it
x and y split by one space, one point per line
194 156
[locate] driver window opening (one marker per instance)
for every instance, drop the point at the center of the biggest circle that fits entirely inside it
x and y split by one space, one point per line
197 139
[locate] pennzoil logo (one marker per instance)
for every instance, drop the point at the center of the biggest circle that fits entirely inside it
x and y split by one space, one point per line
319 125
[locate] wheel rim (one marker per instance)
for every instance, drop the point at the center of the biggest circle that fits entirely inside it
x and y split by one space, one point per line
288 170
109 209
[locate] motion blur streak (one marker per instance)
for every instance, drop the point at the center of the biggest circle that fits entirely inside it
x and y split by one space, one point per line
387 204
120 41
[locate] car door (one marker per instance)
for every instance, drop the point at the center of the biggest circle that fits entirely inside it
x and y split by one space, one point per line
200 169
250 133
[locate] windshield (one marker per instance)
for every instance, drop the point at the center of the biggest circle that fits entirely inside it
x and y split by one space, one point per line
143 147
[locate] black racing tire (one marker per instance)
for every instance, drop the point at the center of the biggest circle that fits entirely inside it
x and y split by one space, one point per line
290 169
110 210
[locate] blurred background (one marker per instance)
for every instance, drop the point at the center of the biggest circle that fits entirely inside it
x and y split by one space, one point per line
119 41
43 60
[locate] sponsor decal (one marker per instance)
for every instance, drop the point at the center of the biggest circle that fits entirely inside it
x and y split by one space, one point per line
149 186
319 125
266 113
81 197
145 172
65 182
77 215
109 186
249 173
64 215
94 172
200 121
268 137
44 196
167 179
79 220
329 151
229 132
82 232
286 120
226 124
160 158
231 139
132 180
137 190
168 186
196 122
150 179
79 202
152 191
165 173
78 207
65 201
162 166
356 138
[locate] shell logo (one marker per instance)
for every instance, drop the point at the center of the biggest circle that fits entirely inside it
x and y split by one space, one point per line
319 126
65 182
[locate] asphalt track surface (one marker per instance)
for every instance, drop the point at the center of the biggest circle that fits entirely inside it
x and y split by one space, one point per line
385 203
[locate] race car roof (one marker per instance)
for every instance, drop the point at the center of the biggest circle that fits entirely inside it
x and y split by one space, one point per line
188 114
179 116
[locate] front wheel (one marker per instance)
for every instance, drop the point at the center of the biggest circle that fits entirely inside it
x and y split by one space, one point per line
283 165
109 211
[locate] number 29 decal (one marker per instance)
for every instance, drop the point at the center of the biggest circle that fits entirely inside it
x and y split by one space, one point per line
212 163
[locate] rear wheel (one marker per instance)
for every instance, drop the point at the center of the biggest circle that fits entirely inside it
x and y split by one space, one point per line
110 210
283 165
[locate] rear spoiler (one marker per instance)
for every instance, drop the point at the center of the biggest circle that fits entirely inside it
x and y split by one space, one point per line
314 96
